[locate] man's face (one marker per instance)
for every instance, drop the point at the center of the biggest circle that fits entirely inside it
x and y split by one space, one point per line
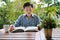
28 10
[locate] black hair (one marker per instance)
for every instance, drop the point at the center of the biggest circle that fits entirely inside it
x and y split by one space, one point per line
27 4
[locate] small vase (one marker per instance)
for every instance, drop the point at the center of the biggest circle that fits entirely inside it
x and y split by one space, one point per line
48 34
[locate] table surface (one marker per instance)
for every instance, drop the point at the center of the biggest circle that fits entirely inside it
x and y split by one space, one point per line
28 35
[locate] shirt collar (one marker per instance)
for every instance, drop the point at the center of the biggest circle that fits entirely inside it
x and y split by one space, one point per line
26 15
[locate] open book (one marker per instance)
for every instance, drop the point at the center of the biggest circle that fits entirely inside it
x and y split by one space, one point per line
25 29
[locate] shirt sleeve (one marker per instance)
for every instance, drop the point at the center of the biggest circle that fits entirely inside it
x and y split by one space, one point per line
18 22
38 20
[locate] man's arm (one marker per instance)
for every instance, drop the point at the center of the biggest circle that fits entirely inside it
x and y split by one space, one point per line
38 23
18 22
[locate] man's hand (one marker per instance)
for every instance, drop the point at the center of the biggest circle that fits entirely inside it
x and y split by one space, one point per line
11 28
39 26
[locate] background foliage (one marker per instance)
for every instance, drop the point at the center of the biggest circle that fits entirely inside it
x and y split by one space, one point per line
10 12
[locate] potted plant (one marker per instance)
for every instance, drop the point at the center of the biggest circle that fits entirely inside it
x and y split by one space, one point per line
48 24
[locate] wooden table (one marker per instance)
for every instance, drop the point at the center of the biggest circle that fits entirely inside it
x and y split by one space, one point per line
18 36
56 34
28 35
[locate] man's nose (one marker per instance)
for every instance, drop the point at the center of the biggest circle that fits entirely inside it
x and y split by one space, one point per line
28 11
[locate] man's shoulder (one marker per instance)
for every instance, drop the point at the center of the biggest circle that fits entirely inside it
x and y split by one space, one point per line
21 15
34 15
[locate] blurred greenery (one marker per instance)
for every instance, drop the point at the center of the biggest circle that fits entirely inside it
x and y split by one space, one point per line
10 12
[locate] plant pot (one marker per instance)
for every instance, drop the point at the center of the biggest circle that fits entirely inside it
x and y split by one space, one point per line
48 33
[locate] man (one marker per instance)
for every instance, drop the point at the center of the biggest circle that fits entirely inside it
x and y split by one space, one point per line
28 18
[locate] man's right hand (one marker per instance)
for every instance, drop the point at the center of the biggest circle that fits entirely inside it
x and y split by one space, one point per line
11 28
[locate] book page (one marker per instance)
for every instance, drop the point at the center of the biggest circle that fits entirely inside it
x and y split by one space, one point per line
31 28
23 28
18 29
